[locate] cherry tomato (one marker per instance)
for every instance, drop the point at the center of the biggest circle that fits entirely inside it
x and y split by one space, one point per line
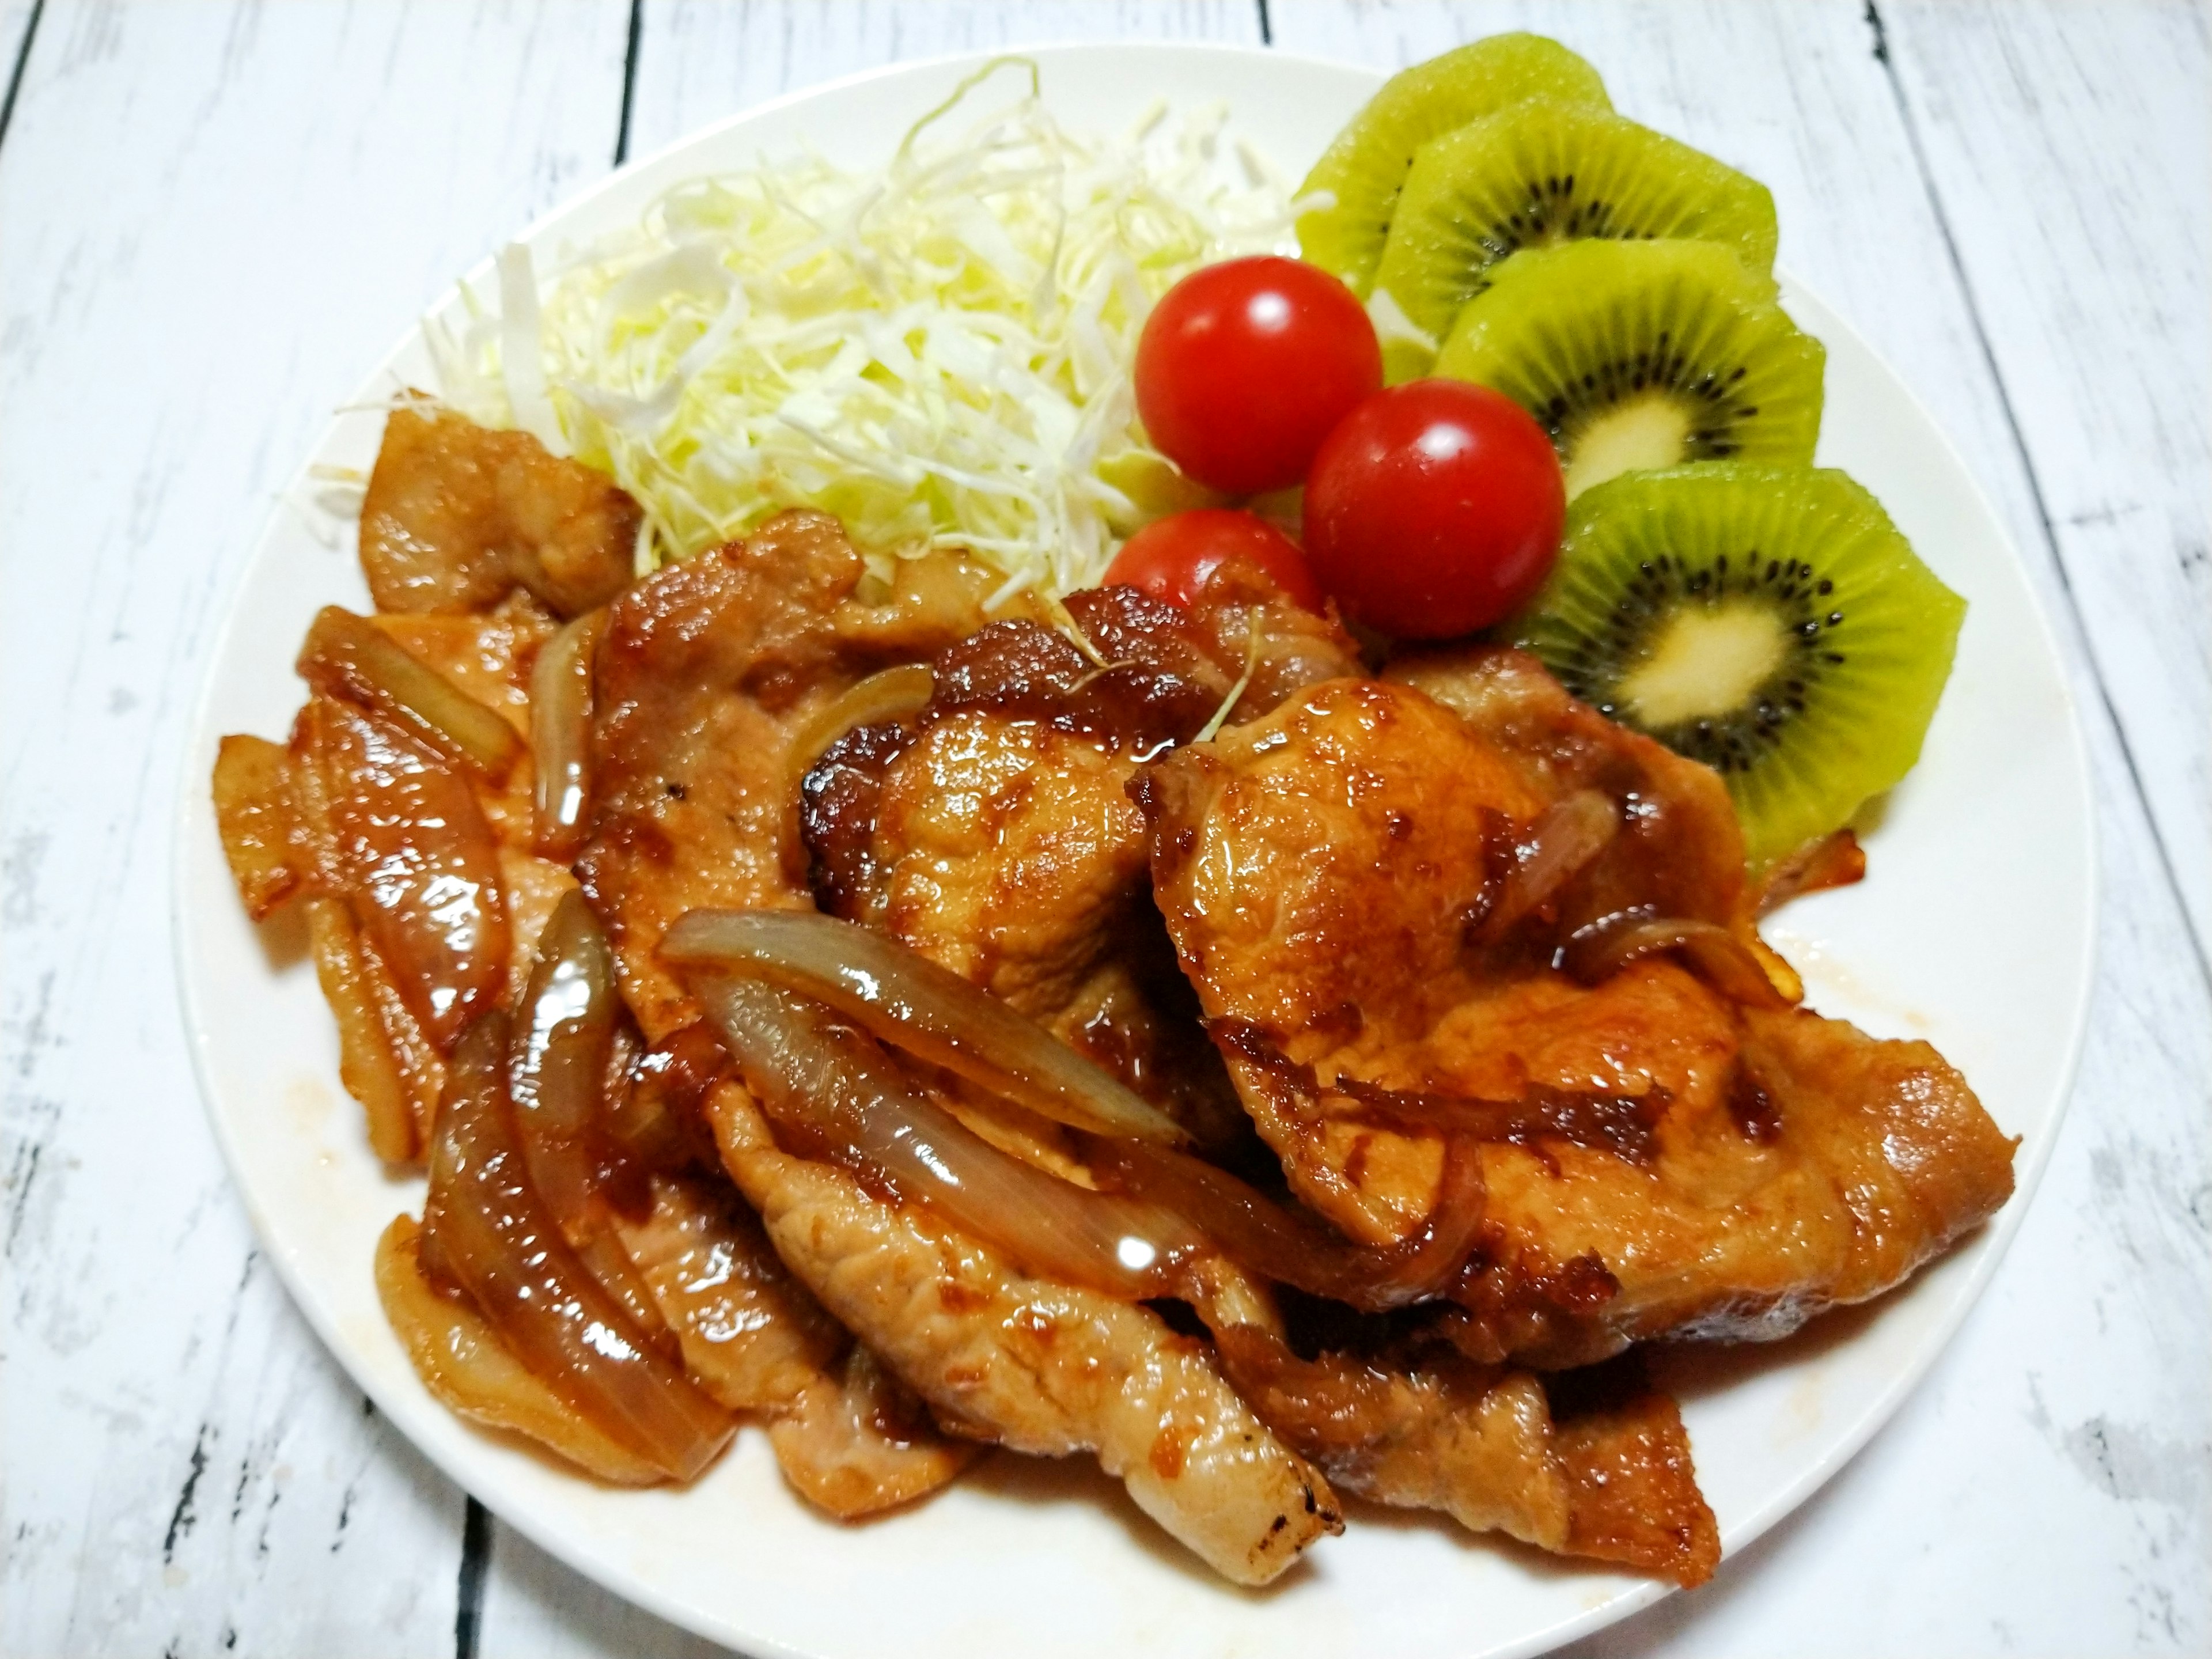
1171 558
1244 367
1434 509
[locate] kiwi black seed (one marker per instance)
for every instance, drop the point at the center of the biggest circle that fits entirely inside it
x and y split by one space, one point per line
1541 173
1771 622
1639 355
1365 168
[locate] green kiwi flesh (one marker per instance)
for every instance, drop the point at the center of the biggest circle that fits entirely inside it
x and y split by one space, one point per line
1640 354
1365 168
1771 622
1541 173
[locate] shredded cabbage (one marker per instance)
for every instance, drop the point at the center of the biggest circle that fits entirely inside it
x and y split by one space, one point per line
939 353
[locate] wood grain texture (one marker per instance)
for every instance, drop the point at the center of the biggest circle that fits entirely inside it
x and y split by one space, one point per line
2084 134
699 61
215 217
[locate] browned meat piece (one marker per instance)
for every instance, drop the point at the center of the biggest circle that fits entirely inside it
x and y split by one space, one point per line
1320 871
1244 620
1010 853
707 669
847 1436
1681 850
456 514
1040 1367
1424 1428
995 834
1632 1496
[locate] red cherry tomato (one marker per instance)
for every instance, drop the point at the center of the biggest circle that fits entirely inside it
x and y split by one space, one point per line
1244 367
1434 509
1171 558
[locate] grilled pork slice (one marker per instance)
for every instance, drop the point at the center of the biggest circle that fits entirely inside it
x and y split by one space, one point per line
848 1435
707 669
710 671
1658 1158
1040 1367
457 515
994 832
1596 1466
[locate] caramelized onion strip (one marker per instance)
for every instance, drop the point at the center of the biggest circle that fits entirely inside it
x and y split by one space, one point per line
557 1065
347 656
840 1095
1274 1242
913 1004
1725 961
557 1060
889 693
1572 831
486 1229
462 1361
560 737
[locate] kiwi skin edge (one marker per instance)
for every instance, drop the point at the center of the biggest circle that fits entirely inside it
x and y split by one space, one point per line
1365 165
1588 332
1544 172
1868 632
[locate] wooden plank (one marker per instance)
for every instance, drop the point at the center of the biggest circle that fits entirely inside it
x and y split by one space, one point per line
2072 147
1990 1512
699 61
217 216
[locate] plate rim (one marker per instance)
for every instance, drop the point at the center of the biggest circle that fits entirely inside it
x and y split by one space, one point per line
1997 1234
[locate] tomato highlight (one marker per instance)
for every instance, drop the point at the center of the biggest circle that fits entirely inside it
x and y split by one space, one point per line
1434 509
1245 366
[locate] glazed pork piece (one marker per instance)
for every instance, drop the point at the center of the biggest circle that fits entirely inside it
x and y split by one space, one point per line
458 515
710 672
994 832
1659 1157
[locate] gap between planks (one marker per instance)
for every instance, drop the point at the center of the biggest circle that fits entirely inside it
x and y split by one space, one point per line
31 33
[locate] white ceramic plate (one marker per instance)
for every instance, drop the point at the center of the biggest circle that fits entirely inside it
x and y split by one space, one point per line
1972 932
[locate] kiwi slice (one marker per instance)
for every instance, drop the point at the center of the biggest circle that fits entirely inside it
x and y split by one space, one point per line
1770 621
1639 354
1365 169
1542 173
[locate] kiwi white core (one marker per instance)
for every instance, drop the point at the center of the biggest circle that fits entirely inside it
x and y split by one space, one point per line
1707 662
1649 431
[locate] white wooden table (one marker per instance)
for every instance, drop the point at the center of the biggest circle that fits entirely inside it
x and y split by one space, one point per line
215 216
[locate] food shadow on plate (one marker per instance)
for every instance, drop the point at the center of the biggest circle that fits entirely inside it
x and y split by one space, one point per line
1051 1482
1692 1371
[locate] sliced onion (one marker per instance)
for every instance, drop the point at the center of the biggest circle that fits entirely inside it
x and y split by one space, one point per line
1724 961
560 736
348 657
841 1095
557 1064
558 1059
889 693
1279 1244
1572 831
486 1229
931 1013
